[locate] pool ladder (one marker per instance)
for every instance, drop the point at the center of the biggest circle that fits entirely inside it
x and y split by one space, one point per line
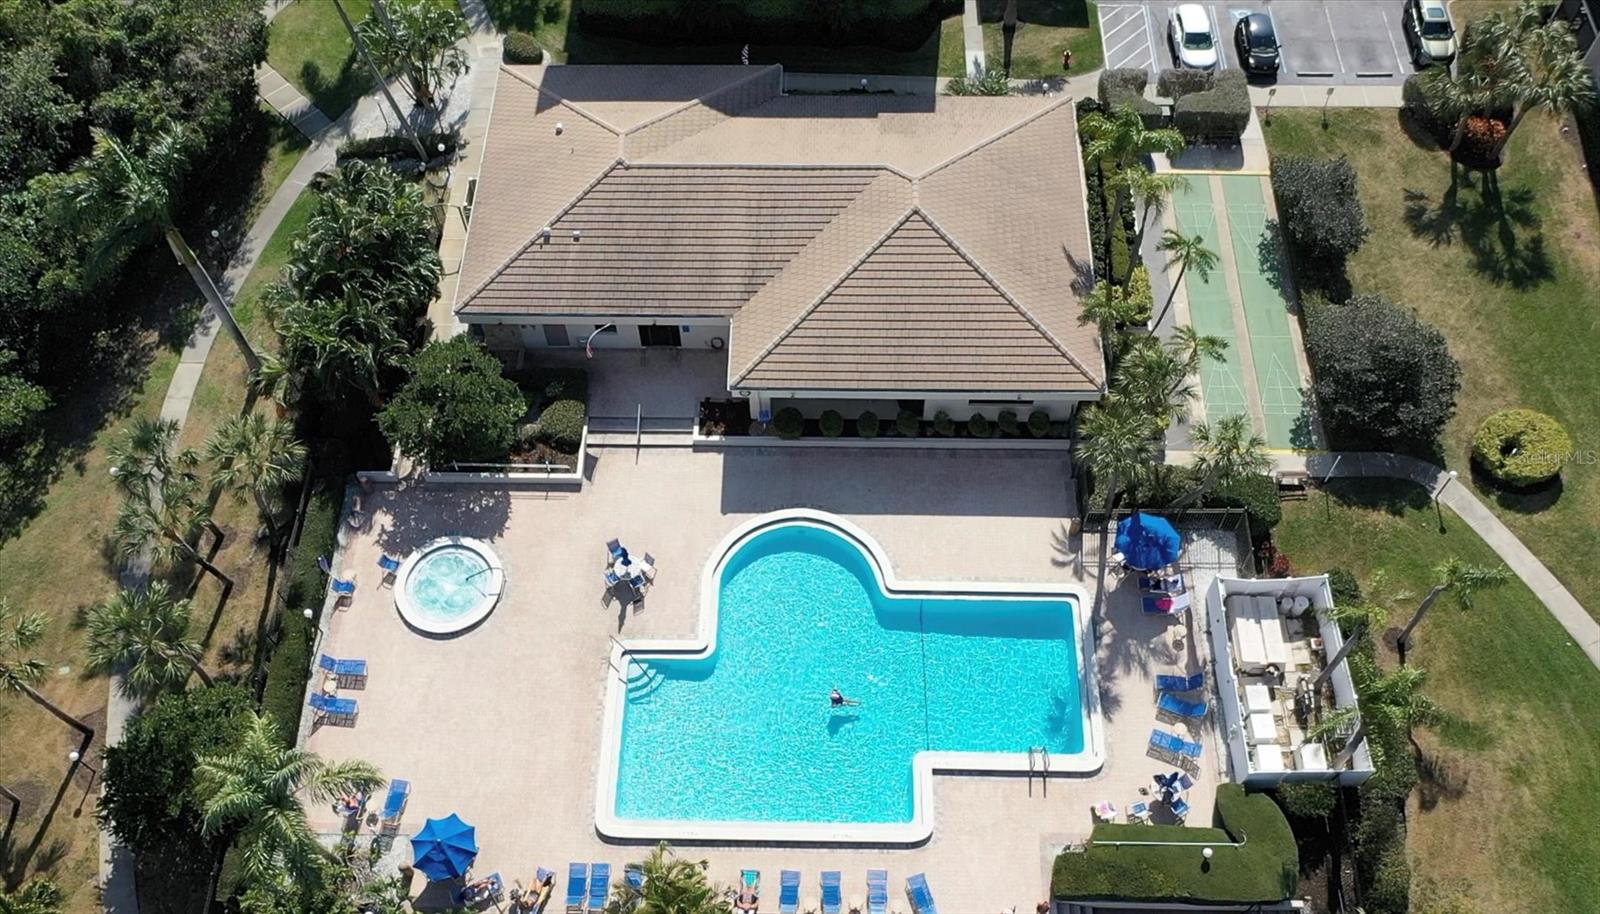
1039 763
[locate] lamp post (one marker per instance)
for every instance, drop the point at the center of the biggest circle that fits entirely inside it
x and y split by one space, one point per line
1266 118
1439 512
1326 98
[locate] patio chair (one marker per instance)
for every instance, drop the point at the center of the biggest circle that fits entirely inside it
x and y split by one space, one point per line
599 885
1174 706
832 892
633 875
1139 813
493 887
343 588
1162 583
788 891
348 673
611 578
920 896
877 891
1170 683
577 885
338 710
1180 809
647 565
394 805
390 566
1184 782
615 551
638 581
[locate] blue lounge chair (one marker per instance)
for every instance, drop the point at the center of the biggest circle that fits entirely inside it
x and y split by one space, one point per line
877 891
831 892
749 880
1178 707
599 885
390 566
329 706
1180 809
467 897
633 874
344 587
394 805
1166 743
788 891
920 895
1188 749
351 671
577 884
1165 683
638 582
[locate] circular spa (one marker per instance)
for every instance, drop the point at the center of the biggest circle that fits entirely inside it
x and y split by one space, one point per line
448 585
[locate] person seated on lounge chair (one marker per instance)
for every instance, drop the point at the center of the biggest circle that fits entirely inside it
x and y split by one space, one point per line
837 699
748 899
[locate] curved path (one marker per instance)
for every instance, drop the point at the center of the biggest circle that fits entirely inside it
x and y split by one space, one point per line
1583 628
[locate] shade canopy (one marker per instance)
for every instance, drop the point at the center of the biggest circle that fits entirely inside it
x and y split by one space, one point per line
1148 542
445 848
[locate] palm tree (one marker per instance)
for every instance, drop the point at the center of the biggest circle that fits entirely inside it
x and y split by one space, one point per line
1109 308
129 200
258 457
1225 452
162 505
145 633
671 885
256 791
21 670
1122 140
1149 191
1153 382
1117 444
1394 701
1552 76
1464 579
1185 252
417 39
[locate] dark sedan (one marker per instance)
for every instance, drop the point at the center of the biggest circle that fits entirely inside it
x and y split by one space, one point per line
1257 44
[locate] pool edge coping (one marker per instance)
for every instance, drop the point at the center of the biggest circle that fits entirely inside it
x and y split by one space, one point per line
925 764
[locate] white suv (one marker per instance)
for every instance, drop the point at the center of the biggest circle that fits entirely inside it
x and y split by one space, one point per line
1429 32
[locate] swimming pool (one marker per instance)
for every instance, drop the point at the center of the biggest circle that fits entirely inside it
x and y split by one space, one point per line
736 737
448 585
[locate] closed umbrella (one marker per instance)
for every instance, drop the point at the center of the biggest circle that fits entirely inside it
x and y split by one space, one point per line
445 848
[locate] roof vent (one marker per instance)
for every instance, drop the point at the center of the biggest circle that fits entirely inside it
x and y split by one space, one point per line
577 234
544 233
560 128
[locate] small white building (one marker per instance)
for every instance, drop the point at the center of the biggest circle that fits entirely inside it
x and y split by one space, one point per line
1271 642
911 252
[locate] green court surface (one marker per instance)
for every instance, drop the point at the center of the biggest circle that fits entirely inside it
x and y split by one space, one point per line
1259 259
1210 311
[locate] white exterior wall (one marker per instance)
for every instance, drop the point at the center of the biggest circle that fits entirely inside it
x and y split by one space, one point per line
959 408
1228 699
697 332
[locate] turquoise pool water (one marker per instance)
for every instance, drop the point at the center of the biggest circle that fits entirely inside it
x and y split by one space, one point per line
748 733
447 582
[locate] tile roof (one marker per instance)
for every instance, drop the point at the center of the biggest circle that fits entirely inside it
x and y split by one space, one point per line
855 242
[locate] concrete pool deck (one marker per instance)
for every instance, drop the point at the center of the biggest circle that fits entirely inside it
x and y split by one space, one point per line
502 723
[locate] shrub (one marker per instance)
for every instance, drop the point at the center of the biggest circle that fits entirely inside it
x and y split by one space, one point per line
520 47
1219 114
1390 889
560 425
1346 589
831 423
979 426
1318 205
943 425
290 664
867 424
456 406
1424 110
908 424
1384 377
1120 88
989 82
1257 494
1038 423
1008 422
788 423
1314 800
398 146
1480 137
1139 295
1521 447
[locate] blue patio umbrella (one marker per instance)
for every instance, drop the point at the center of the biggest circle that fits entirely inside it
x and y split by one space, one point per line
445 848
1148 542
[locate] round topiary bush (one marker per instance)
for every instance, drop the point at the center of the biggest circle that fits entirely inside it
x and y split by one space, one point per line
943 425
979 426
788 423
1008 422
867 424
1038 423
908 424
831 423
1521 447
560 425
520 47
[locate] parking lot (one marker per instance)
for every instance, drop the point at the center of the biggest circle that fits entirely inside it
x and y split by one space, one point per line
1325 42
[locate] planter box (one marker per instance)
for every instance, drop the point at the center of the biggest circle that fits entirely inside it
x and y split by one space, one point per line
505 475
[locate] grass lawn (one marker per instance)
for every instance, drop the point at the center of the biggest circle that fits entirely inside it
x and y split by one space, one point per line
1508 272
309 45
1507 813
550 22
1045 28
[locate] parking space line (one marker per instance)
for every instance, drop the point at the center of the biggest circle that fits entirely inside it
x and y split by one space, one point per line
1222 48
1335 35
1399 62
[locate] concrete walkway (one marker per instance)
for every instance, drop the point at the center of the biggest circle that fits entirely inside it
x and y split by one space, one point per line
288 102
1583 628
972 40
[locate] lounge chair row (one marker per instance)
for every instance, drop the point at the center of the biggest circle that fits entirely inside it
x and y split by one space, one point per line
588 884
832 884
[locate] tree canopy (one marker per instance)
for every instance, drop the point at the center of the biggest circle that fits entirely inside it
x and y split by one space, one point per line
455 406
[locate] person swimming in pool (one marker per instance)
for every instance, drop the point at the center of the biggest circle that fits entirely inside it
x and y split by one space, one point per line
837 699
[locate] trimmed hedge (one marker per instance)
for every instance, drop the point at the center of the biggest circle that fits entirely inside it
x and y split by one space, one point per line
520 47
560 425
789 423
900 25
1521 447
1263 869
1125 87
867 425
1217 114
1319 206
1175 84
831 423
1258 496
392 146
289 668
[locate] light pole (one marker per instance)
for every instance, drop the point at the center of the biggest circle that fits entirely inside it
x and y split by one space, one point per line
1439 512
1326 98
76 758
1267 117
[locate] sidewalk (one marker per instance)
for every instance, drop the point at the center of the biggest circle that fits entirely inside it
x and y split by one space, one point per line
1360 96
288 102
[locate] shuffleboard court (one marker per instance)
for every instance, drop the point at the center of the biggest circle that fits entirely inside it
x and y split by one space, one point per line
1210 310
1259 259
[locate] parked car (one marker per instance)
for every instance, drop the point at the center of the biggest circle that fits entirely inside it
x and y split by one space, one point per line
1430 34
1189 32
1257 43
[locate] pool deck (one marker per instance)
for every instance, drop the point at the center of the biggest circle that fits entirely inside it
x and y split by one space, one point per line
502 723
